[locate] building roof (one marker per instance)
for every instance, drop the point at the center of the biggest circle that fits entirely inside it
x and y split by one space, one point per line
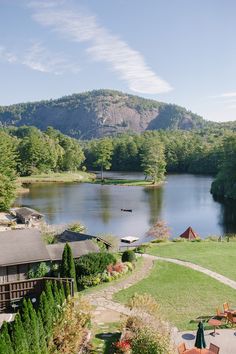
189 234
22 246
27 246
79 248
27 212
69 236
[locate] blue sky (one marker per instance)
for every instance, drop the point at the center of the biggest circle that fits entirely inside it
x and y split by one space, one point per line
176 51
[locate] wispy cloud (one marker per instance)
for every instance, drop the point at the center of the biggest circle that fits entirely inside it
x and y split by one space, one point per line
226 95
77 26
6 55
39 58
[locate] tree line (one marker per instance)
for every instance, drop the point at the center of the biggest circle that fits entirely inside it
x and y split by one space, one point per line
27 150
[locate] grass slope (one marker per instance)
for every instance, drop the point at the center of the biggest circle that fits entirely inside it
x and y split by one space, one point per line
183 294
58 177
217 256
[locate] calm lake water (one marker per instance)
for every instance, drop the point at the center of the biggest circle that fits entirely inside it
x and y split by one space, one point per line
183 200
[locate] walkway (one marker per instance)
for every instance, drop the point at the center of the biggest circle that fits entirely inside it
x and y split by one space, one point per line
103 298
221 278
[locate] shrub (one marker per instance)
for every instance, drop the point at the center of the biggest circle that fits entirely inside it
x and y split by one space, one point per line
123 346
87 281
144 303
128 256
129 265
146 341
39 271
94 263
76 227
142 248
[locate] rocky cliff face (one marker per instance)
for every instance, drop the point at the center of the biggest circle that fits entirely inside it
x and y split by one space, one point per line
102 112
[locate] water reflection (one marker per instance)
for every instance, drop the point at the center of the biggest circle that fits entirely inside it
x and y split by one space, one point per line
155 196
105 204
184 200
228 216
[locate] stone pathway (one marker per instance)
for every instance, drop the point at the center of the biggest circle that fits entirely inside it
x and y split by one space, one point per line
221 278
103 298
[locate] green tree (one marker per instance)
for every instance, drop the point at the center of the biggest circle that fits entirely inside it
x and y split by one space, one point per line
42 336
5 340
35 341
68 265
19 337
46 314
153 160
102 150
8 158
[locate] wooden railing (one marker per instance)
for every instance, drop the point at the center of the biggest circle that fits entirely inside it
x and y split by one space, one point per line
12 292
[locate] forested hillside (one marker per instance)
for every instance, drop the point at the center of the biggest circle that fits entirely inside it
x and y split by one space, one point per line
27 150
102 112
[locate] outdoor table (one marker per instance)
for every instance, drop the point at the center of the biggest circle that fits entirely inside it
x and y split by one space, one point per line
215 323
198 351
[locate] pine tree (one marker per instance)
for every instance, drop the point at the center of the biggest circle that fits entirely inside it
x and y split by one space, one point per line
5 340
64 262
35 344
46 314
26 322
50 297
71 266
19 339
42 336
61 293
67 289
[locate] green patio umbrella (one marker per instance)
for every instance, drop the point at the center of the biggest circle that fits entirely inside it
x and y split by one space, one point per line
200 340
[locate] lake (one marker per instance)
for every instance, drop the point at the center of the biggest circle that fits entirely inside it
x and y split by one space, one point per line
183 200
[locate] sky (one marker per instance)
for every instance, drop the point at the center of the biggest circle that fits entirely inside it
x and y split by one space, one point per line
174 51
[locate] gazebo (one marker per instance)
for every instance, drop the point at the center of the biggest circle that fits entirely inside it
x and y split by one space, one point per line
189 234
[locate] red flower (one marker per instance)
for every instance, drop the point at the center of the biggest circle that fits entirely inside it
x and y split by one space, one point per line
123 345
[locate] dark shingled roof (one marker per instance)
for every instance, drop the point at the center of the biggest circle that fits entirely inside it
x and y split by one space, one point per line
22 246
68 236
27 212
79 249
27 246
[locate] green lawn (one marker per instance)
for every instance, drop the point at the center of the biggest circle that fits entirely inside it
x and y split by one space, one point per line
183 294
217 256
79 176
125 182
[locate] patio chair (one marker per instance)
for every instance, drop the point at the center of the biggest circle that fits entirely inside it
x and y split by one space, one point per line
226 308
221 315
214 349
231 318
181 348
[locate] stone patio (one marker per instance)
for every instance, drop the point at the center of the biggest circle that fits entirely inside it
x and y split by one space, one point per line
226 339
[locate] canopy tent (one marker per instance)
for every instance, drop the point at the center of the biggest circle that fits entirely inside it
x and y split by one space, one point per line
189 234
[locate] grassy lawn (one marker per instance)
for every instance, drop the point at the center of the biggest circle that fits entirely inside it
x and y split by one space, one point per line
58 177
125 182
217 256
183 294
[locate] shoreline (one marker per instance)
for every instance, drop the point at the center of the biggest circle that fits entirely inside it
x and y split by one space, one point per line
64 177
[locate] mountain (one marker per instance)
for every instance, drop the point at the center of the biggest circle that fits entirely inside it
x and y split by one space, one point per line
101 112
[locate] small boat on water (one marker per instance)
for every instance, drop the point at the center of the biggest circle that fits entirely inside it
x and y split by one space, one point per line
127 210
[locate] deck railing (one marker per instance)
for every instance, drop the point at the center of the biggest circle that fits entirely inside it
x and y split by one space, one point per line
13 292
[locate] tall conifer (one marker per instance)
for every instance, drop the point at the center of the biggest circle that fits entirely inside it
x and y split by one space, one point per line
5 340
19 340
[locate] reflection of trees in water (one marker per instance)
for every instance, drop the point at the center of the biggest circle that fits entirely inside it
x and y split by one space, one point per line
155 196
105 204
228 215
